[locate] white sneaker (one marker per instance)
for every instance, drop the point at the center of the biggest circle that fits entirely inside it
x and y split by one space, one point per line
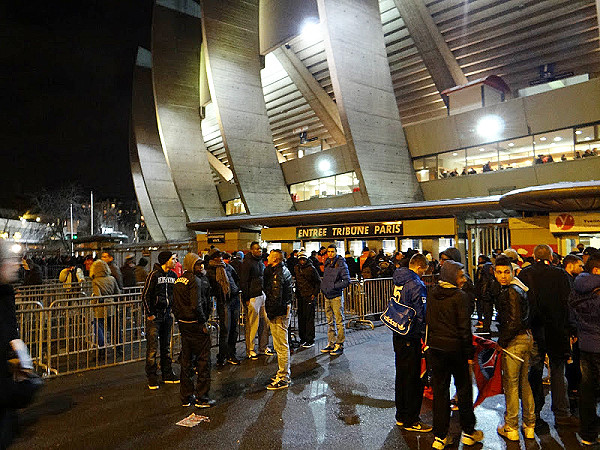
473 438
508 433
440 444
528 432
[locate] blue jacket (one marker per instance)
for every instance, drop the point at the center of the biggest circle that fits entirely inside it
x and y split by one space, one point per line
411 291
335 277
585 305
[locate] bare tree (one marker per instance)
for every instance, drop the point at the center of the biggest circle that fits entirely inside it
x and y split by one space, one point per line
55 207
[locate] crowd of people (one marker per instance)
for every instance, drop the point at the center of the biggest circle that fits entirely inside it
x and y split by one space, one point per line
544 306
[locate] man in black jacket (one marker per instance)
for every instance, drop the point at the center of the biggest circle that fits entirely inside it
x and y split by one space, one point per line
450 353
192 306
515 337
278 299
308 285
548 296
157 298
251 284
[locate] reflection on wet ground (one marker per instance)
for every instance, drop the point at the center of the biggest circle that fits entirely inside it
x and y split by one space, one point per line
337 402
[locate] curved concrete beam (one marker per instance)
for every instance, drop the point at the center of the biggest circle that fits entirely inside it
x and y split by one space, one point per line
364 94
230 41
175 72
141 192
152 164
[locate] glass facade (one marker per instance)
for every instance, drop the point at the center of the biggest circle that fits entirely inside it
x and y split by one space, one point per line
543 148
342 184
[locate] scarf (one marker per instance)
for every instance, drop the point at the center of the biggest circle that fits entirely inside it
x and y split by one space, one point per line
221 275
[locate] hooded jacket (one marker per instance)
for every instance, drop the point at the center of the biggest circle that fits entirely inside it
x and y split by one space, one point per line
191 294
410 290
585 305
157 294
308 281
513 311
449 320
103 283
278 290
335 277
251 278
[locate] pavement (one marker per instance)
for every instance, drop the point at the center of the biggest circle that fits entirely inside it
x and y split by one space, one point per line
334 402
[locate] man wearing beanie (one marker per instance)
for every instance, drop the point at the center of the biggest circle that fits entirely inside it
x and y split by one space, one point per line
451 351
192 306
157 298
308 285
453 254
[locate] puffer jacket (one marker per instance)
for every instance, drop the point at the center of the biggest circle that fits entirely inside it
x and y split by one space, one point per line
513 311
278 290
251 278
585 305
157 294
484 278
410 290
191 294
449 320
335 277
103 283
308 281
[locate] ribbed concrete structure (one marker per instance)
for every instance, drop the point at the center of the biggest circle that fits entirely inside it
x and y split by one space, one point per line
365 96
230 37
176 41
160 188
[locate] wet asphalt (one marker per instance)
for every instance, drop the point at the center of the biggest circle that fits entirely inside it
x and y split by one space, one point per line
334 402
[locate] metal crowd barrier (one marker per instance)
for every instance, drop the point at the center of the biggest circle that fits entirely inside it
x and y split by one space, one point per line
75 334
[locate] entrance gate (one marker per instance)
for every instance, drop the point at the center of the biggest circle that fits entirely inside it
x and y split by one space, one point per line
483 238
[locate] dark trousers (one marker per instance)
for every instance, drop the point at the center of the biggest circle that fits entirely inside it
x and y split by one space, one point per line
590 374
195 357
409 385
479 309
158 332
572 370
306 319
558 383
229 315
488 312
443 366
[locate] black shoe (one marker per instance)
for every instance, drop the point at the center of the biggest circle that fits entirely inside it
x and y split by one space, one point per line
566 421
170 378
269 351
188 401
308 345
278 384
220 363
233 361
327 349
205 402
153 383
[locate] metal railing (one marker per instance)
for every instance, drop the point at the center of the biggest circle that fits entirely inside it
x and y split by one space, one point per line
78 333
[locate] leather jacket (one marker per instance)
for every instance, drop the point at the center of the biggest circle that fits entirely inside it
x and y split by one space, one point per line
513 312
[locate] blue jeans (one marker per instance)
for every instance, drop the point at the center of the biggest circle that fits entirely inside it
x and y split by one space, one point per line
229 315
158 332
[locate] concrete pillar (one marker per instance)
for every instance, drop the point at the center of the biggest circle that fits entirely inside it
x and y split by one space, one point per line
176 41
364 93
436 54
152 163
230 41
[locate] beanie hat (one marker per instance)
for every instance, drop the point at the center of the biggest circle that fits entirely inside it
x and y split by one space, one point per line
453 253
449 271
215 253
163 257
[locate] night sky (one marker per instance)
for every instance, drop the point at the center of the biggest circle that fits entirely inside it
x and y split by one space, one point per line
67 69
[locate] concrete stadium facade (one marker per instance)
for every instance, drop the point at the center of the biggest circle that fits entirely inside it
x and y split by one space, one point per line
236 110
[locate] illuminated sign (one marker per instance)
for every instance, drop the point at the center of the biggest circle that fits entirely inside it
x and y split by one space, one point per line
354 230
574 222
